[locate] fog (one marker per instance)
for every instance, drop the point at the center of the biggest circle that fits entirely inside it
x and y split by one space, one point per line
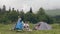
26 4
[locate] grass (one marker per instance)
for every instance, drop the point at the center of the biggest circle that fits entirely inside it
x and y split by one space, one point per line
5 29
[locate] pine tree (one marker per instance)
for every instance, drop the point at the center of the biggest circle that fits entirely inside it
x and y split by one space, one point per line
4 8
21 14
41 11
42 16
12 9
0 9
31 10
9 9
17 10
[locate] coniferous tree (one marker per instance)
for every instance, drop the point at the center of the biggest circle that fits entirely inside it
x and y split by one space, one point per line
31 10
13 9
17 10
42 16
9 9
4 8
41 11
0 9
21 14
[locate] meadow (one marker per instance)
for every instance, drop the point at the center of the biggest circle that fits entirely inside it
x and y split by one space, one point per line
5 29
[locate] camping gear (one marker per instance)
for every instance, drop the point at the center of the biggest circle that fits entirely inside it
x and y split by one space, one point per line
43 26
26 26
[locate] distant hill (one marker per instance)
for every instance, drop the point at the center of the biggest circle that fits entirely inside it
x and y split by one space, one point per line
53 12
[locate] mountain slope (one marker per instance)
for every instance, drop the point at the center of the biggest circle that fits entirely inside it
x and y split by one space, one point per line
53 12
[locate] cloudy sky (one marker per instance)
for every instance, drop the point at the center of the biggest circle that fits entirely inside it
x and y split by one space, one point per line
26 4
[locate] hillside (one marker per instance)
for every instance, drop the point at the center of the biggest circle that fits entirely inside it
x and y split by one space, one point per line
53 12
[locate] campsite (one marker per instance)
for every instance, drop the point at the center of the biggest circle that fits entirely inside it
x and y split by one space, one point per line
10 18
29 17
4 29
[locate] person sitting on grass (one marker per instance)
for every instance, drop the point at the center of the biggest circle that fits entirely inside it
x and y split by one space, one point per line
19 25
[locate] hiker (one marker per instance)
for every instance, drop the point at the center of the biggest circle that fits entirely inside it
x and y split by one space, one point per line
19 25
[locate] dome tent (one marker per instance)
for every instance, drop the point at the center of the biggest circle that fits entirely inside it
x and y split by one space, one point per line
43 26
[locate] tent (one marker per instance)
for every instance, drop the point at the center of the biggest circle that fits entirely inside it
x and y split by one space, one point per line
19 25
44 26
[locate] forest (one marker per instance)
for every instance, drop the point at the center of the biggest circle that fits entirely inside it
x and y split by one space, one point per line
11 16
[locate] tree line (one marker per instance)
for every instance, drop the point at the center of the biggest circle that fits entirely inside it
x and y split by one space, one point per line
11 16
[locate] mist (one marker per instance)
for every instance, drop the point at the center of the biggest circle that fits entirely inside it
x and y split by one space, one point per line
26 4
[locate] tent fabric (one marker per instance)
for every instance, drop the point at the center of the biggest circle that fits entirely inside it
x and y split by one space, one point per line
44 26
19 25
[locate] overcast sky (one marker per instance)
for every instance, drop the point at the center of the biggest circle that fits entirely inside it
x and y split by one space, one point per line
26 4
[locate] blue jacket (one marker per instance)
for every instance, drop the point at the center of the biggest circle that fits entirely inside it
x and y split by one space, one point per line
19 25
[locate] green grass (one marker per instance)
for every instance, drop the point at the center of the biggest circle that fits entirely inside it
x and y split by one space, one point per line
5 29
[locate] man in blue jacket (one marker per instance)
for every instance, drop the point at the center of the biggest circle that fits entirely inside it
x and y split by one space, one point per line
19 25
